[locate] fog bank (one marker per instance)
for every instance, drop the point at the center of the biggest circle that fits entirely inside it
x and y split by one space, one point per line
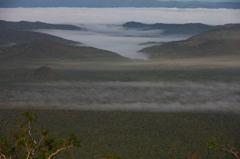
122 15
135 96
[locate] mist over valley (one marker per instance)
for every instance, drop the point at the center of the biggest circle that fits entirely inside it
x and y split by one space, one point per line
129 82
108 51
115 38
126 96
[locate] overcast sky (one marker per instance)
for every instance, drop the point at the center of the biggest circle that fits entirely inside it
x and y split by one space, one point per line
122 15
204 0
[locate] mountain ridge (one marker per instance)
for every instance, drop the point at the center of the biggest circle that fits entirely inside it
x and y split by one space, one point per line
169 29
47 50
26 25
11 36
220 41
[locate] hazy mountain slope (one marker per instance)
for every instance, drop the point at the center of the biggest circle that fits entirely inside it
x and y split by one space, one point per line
25 25
139 25
221 41
190 28
49 50
10 36
116 3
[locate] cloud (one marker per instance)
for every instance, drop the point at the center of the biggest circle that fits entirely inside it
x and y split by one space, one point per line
121 15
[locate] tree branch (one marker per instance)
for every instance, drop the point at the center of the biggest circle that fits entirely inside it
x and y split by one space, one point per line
39 143
231 151
2 155
63 148
30 132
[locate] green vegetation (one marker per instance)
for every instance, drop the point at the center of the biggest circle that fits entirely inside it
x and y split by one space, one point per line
221 41
9 36
212 144
22 144
135 134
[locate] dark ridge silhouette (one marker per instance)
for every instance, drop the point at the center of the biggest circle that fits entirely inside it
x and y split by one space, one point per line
25 25
189 28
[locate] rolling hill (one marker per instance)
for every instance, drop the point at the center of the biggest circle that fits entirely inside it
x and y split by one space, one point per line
25 25
219 41
47 50
11 36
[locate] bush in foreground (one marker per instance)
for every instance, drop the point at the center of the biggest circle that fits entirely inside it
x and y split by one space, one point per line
22 145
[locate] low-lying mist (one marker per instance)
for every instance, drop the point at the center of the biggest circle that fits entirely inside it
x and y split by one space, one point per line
134 96
115 38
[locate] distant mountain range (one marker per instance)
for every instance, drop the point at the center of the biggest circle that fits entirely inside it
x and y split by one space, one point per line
219 41
190 28
25 25
116 3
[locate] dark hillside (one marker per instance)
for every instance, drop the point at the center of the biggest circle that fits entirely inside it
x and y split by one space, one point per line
10 36
48 50
220 41
224 32
192 28
25 25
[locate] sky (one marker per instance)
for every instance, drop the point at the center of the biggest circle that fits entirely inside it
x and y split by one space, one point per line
111 3
204 0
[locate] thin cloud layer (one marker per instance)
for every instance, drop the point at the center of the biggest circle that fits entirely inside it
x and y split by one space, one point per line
136 96
122 15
